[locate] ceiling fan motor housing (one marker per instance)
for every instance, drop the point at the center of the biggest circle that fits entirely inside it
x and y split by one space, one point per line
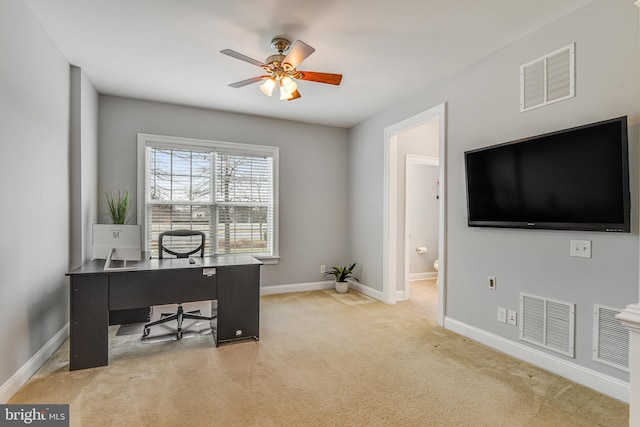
275 62
280 44
275 59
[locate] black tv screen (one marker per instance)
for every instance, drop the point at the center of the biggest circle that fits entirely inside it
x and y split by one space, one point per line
574 179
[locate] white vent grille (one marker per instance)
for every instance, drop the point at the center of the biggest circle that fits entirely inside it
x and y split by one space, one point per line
610 338
548 323
532 81
548 79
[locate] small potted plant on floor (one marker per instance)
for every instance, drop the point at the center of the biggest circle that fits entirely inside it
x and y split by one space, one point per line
342 274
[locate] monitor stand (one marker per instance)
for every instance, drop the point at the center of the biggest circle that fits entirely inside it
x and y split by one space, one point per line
107 264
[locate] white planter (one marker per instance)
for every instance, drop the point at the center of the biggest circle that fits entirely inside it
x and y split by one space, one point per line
342 287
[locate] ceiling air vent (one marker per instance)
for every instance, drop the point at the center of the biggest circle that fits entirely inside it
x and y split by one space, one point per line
548 323
548 79
610 338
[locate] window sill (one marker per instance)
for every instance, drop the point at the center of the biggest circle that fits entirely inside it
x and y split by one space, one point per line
266 260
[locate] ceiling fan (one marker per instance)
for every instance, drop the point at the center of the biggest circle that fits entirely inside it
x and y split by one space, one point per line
281 70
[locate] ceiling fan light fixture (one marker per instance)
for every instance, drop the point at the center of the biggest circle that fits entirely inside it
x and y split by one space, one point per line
268 86
290 85
284 93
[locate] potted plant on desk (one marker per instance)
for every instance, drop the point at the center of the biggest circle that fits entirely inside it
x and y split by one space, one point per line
106 237
119 206
342 274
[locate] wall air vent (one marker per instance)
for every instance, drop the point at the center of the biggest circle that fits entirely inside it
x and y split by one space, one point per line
548 79
548 323
610 338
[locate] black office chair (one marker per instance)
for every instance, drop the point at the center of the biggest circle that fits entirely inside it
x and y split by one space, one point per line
180 248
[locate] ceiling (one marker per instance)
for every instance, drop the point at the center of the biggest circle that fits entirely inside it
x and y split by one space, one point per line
168 50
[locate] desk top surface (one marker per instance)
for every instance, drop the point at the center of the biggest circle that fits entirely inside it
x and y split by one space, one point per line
96 266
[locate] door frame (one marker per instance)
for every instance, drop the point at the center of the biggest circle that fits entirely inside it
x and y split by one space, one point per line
390 200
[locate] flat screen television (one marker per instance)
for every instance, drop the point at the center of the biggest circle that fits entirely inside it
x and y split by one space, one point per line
573 179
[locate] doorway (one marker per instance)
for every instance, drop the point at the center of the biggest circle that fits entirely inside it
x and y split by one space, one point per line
421 218
421 226
395 246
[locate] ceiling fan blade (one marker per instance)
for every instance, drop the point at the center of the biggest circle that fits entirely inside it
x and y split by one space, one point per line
243 83
241 57
294 95
332 79
298 53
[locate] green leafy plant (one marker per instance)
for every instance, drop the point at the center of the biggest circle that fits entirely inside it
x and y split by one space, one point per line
342 273
119 206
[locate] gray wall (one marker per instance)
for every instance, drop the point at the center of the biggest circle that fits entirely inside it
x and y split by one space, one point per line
313 173
483 109
366 183
422 216
35 187
84 165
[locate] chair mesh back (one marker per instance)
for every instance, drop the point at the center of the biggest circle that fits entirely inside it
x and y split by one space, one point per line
181 245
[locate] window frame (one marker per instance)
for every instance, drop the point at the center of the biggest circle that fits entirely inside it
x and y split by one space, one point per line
235 148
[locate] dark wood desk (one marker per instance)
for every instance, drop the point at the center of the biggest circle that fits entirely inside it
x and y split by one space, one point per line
232 280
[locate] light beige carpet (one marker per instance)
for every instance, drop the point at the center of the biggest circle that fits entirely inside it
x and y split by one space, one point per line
323 360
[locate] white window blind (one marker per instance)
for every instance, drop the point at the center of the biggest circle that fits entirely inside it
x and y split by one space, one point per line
226 190
244 197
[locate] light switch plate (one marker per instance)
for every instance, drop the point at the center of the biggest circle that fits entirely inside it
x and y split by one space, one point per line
580 248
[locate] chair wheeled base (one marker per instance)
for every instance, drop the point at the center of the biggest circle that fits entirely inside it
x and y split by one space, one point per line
179 315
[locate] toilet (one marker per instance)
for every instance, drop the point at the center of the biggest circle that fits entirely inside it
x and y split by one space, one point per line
435 266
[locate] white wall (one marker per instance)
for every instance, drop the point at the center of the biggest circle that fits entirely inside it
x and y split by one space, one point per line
313 174
35 187
483 109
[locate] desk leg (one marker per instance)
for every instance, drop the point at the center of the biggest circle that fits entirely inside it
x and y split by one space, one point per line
89 321
238 303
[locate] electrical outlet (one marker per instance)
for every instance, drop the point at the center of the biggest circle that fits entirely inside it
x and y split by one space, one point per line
512 317
492 282
323 268
502 314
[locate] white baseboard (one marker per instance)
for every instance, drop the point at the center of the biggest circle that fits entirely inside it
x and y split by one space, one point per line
297 287
23 374
605 384
319 286
423 276
364 289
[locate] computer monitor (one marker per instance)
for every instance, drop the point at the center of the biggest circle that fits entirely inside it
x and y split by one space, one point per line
117 242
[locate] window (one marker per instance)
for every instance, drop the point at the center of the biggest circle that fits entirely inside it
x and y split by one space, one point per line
227 190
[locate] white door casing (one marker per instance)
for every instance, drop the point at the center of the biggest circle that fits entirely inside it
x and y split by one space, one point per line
390 217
